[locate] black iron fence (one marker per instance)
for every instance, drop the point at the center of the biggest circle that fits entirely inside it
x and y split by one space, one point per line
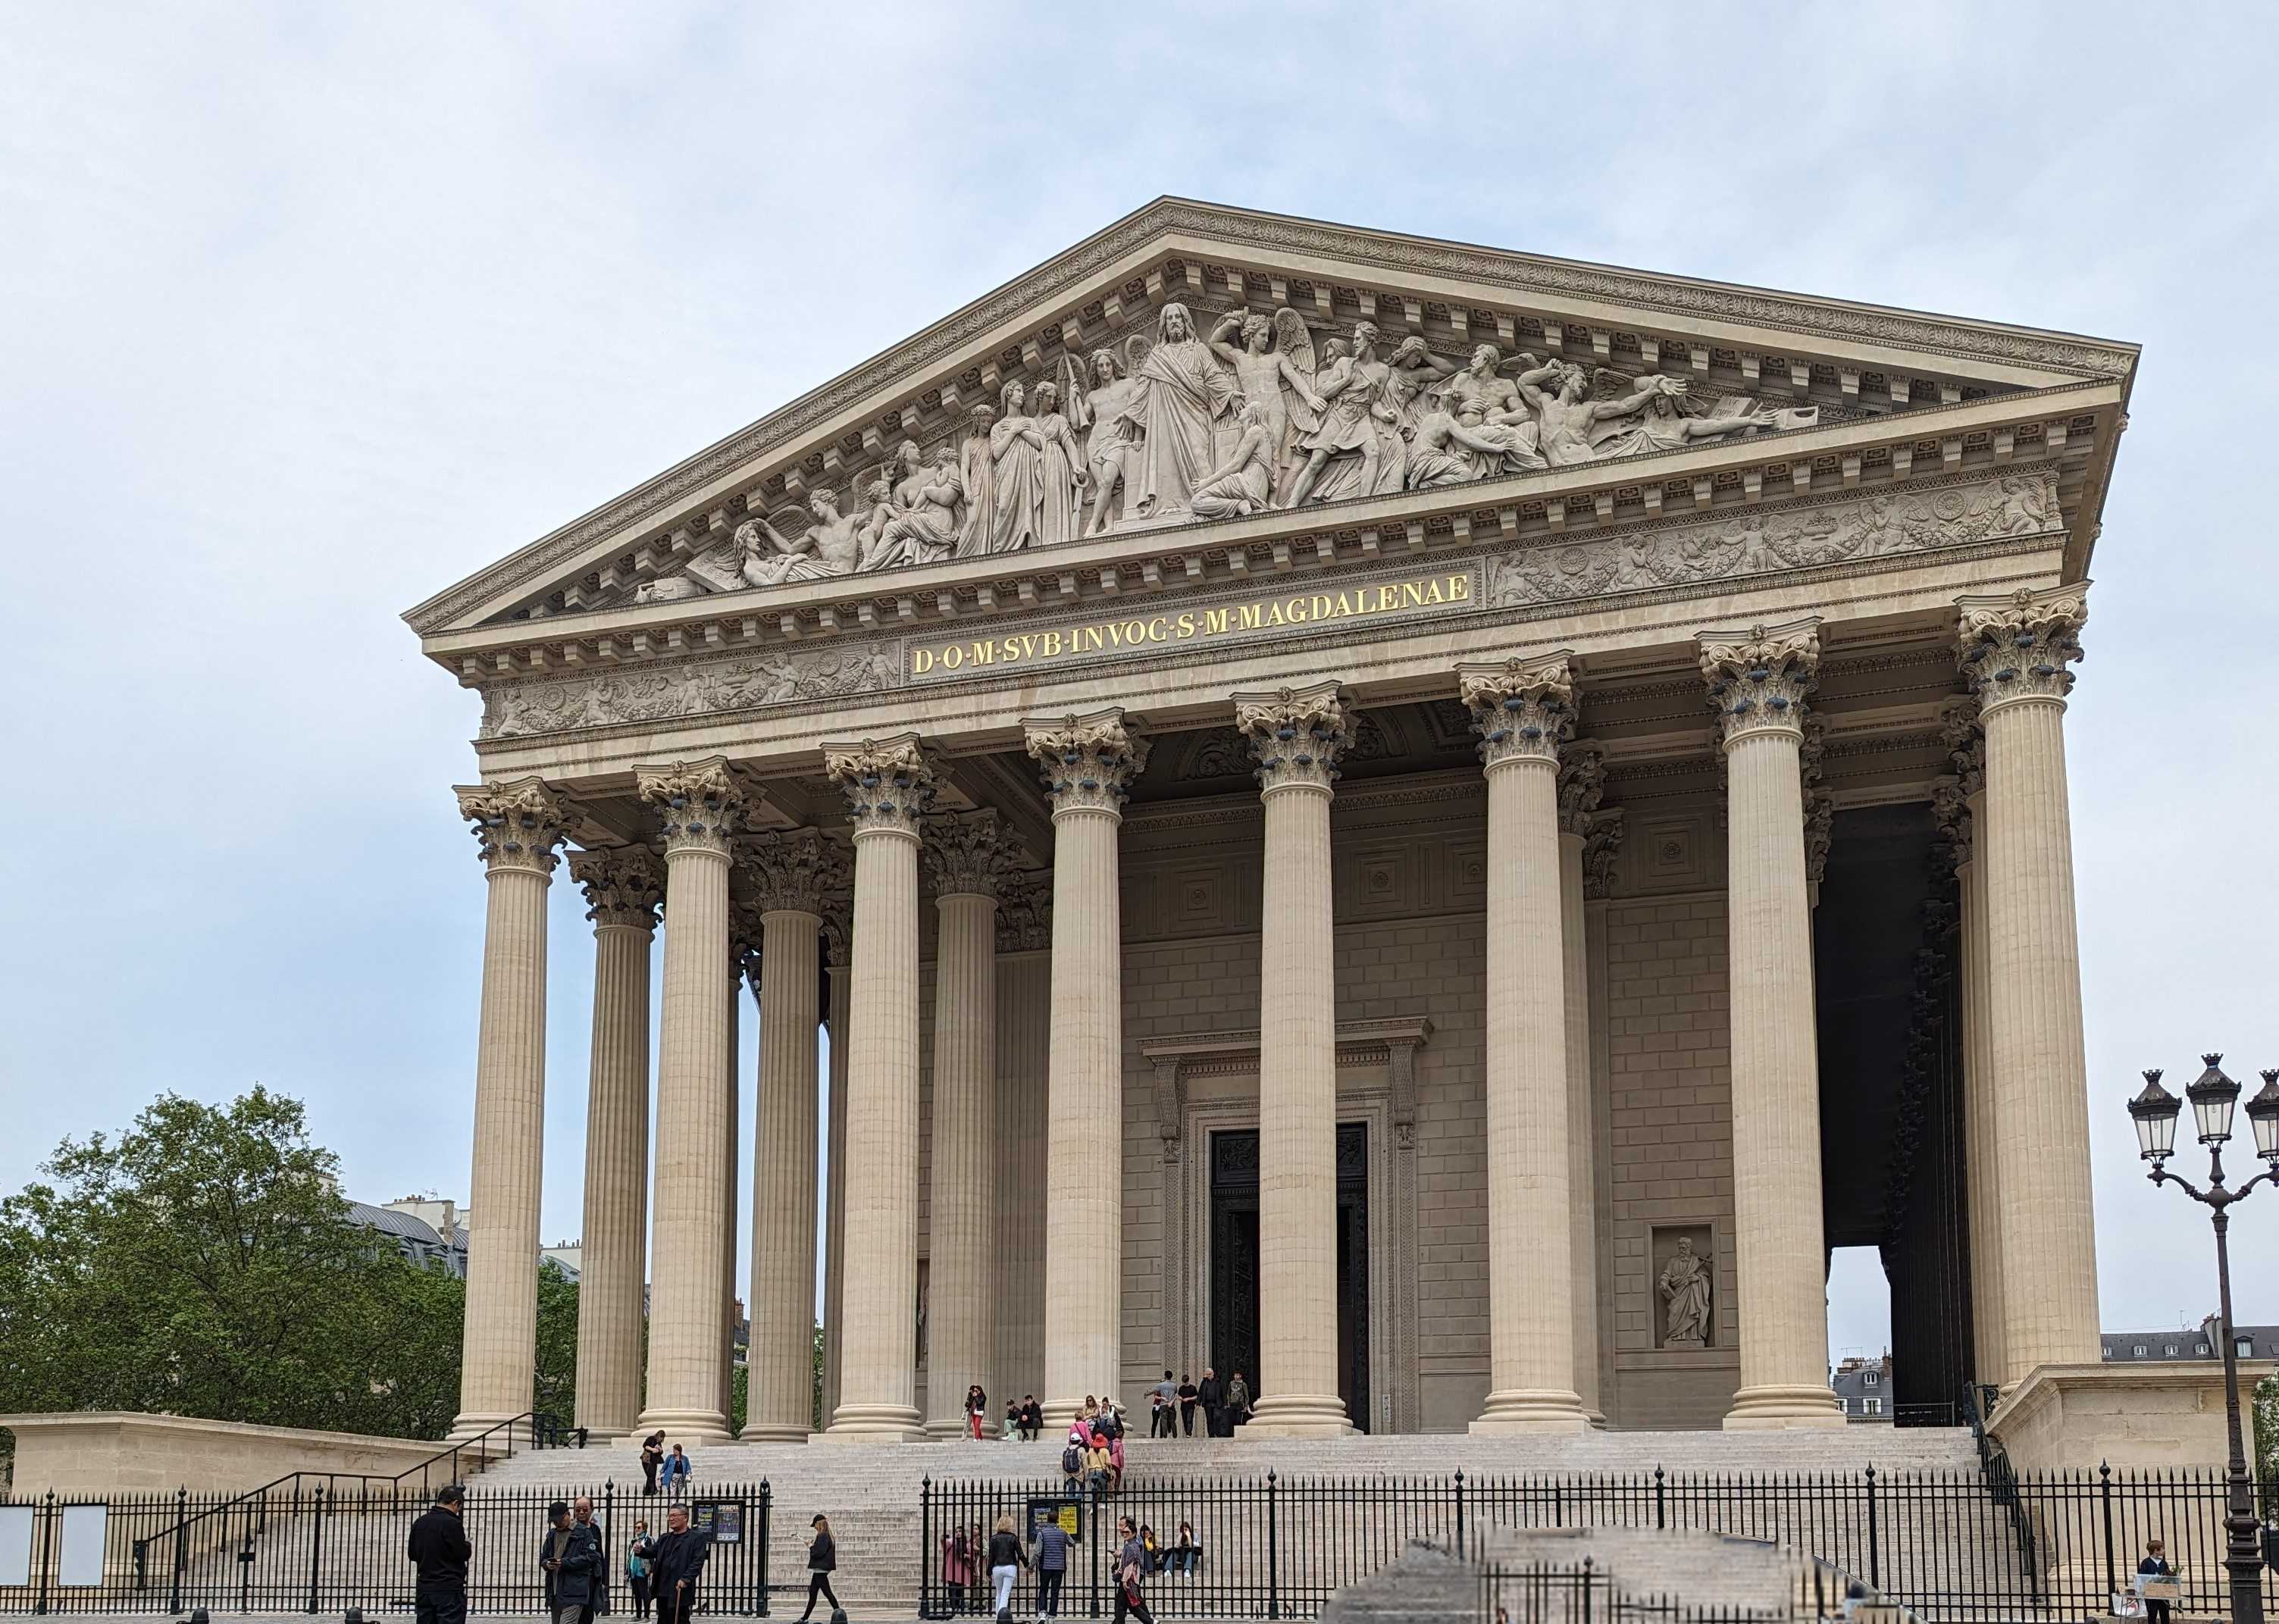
314 1549
1583 1593
1946 1545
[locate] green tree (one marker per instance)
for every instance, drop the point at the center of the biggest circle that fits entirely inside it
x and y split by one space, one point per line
2265 1410
201 1263
554 1392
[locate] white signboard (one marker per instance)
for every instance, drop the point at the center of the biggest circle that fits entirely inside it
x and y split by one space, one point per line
15 1545
84 1527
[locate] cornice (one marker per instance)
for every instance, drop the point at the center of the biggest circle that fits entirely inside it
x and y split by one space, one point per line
1073 274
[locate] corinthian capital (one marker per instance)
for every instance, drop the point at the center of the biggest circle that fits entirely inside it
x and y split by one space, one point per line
699 804
1521 708
1950 809
1297 736
791 873
888 782
2018 646
1965 741
1602 846
625 886
966 854
1758 678
1088 762
517 824
1025 911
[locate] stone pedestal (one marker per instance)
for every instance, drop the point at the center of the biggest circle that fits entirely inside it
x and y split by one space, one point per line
2168 1414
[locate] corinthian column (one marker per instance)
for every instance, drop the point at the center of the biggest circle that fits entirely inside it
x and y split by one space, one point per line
788 877
698 806
964 858
625 886
1521 709
1582 781
839 958
1088 764
889 784
2015 651
517 826
1297 737
1958 804
1758 680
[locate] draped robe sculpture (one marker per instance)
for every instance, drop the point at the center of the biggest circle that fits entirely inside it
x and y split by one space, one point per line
1184 391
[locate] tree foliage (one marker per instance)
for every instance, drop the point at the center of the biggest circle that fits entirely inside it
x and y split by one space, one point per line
201 1263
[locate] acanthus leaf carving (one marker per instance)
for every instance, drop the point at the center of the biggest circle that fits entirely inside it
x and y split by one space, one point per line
967 854
1602 850
1025 911
2022 645
1087 763
1297 736
1758 680
889 782
623 885
793 871
698 805
518 825
1523 710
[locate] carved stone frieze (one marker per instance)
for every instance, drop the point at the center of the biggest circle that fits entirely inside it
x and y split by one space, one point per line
1297 736
709 688
1025 911
792 872
1758 678
623 884
967 854
1087 763
1602 850
699 805
1516 276
888 782
2022 645
517 826
1521 708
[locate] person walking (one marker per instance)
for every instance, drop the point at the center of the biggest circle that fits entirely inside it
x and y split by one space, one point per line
1161 1418
1187 1393
2154 1565
439 1549
572 1558
1130 1563
1237 1403
977 1410
822 1562
581 1516
676 1568
1052 1568
1212 1396
652 1456
1006 1561
640 1554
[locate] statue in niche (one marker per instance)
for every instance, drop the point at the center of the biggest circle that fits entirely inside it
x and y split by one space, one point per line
1105 410
1244 484
1671 418
1184 392
831 545
923 523
1274 368
1061 476
1017 456
977 471
1685 1296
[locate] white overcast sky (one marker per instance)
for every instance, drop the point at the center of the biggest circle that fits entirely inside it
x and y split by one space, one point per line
308 310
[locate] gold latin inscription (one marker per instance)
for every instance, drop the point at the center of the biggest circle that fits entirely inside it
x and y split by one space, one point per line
1191 625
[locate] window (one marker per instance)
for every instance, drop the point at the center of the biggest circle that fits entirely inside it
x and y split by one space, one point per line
2170 1351
1874 1406
1870 1378
2108 1349
2244 1346
2201 1348
1847 1403
2140 1350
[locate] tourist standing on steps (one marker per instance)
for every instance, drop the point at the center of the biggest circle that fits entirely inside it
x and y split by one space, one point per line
439 1549
977 1410
1237 1403
640 1554
1052 1568
571 1558
822 1562
652 1456
1006 1561
1163 1418
1188 1393
1212 1396
1130 1565
678 1563
677 1468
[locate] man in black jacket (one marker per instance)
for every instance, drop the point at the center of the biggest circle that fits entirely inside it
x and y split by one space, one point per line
575 1564
680 1553
439 1549
1212 1396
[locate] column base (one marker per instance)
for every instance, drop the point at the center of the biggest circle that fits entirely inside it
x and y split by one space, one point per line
1775 1408
763 1432
685 1425
1059 1415
1298 1415
874 1423
1531 1410
951 1431
468 1424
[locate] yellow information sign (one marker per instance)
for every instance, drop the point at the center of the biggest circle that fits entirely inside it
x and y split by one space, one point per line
1137 634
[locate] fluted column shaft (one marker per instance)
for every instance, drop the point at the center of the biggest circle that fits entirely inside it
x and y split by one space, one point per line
1087 763
698 806
1025 1020
1297 737
518 827
623 888
963 1290
888 785
1582 1218
2016 651
730 1130
779 1390
1521 709
838 939
1758 681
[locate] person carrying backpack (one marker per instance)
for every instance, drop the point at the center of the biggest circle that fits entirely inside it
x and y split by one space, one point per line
1072 1456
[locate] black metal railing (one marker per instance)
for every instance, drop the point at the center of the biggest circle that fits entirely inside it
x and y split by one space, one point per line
1945 1545
1584 1593
312 1549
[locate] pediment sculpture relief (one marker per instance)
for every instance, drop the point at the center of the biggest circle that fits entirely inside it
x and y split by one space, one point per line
1251 413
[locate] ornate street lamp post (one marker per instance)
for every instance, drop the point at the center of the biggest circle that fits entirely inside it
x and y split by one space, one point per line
2213 1096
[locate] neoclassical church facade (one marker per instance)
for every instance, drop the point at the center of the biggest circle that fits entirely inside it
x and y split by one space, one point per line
1431 824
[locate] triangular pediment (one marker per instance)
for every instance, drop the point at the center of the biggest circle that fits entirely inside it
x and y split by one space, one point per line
1251 397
